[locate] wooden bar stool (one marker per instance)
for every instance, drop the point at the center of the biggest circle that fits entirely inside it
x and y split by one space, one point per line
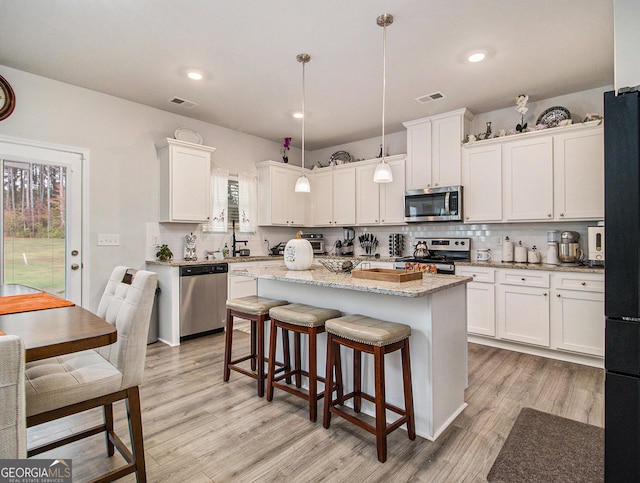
299 319
377 337
256 310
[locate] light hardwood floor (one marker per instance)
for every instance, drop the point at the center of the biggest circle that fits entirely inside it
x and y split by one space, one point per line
198 428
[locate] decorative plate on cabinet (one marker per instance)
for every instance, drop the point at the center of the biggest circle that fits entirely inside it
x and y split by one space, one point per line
340 157
553 116
188 135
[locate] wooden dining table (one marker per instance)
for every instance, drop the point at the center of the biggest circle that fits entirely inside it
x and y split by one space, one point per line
55 331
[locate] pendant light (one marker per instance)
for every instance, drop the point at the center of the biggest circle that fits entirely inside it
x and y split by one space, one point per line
383 173
302 183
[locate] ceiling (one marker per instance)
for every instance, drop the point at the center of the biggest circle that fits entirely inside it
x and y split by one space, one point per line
140 50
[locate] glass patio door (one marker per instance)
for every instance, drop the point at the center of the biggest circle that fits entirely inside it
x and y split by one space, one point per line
42 219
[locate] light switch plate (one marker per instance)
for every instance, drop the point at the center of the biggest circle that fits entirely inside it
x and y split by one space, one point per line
105 239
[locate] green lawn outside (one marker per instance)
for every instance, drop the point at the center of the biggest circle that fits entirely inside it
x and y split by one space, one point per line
45 263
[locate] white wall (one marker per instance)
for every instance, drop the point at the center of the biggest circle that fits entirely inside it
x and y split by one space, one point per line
123 167
363 149
626 40
579 105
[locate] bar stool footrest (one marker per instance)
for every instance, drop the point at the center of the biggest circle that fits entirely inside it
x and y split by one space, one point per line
389 427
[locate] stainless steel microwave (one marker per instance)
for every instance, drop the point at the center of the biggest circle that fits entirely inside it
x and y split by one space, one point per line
433 204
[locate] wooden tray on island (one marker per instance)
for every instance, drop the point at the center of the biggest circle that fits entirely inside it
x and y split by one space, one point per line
386 274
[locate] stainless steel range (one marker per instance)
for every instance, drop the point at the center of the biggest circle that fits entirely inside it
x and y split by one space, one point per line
441 252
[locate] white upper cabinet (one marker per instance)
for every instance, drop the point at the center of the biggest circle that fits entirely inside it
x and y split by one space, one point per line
550 175
433 149
579 174
333 197
482 183
185 182
528 179
418 154
380 203
278 203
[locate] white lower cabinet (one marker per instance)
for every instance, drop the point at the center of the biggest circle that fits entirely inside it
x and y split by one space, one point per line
481 300
577 313
561 311
239 285
523 307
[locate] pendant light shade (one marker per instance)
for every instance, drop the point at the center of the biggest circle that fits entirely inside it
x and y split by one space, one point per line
302 183
383 173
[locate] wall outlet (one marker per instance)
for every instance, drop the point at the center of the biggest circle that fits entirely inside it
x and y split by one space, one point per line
498 240
112 239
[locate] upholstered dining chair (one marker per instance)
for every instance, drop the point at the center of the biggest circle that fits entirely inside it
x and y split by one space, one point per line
13 433
69 384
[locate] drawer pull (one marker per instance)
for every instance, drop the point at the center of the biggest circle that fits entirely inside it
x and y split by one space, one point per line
522 279
558 295
583 283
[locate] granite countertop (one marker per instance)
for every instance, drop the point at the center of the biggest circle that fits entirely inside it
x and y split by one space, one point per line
320 276
533 266
176 262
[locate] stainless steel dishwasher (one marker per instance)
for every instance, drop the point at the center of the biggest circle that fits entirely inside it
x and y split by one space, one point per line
203 296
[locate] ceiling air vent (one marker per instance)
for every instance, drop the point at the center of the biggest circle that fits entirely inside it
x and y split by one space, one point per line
183 102
434 96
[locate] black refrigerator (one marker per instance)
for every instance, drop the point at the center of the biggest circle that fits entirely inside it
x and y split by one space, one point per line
622 285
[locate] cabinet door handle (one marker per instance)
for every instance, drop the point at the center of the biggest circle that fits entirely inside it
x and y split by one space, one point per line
558 295
583 283
522 279
545 294
466 218
549 215
561 214
381 221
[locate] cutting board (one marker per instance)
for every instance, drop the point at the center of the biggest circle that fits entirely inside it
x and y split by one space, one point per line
386 274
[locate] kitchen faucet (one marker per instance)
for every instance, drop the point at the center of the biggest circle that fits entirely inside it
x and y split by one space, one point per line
234 242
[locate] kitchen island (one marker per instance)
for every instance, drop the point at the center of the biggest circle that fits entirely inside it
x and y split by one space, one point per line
434 307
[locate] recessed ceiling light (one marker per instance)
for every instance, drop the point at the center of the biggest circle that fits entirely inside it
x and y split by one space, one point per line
476 56
194 75
298 115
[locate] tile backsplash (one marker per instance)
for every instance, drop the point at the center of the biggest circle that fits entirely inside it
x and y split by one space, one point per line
482 236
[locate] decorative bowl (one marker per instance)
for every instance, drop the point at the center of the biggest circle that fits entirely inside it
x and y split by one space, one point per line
339 265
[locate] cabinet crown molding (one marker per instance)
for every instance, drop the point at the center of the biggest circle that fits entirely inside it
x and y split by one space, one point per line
176 142
466 113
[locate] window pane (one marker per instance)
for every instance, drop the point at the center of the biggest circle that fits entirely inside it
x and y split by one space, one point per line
34 201
234 198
